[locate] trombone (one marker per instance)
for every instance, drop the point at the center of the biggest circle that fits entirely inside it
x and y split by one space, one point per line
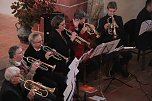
43 66
78 38
39 89
56 55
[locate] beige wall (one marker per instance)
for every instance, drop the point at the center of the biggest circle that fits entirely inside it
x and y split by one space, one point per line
128 9
5 6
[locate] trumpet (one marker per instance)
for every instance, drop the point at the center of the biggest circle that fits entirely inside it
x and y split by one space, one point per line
112 26
91 30
43 65
56 55
78 39
39 89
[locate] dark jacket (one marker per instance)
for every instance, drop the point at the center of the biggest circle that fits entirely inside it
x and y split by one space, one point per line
143 41
10 92
105 36
63 45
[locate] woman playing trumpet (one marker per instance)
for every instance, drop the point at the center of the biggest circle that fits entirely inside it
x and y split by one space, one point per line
62 43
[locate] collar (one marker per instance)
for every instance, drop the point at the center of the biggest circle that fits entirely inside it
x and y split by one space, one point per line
17 63
37 49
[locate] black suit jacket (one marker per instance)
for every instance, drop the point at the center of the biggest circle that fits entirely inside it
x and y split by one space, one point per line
41 75
63 45
10 92
105 37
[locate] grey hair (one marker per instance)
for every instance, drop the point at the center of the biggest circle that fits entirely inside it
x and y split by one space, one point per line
10 72
33 35
12 51
80 14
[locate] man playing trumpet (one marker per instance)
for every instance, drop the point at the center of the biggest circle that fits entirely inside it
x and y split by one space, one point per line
35 50
111 25
28 72
13 90
117 32
79 25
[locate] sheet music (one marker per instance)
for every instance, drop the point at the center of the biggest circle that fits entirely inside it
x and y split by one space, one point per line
105 48
71 78
85 55
145 26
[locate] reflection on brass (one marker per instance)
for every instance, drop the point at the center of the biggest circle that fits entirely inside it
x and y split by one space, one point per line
43 66
38 88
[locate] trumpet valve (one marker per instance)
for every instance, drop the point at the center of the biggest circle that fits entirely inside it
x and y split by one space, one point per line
53 67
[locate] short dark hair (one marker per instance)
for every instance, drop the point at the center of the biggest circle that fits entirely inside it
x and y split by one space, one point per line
80 14
55 22
148 2
12 51
112 4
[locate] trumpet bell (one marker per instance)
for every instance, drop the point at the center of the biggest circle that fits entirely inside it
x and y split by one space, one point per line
43 66
38 88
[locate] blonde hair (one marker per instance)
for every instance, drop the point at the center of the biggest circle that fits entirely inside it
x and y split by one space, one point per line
10 72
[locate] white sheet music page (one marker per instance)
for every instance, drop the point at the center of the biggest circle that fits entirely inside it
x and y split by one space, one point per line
105 48
71 78
145 26
115 43
85 55
98 50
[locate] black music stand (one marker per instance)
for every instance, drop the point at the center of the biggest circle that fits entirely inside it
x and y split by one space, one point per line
101 50
107 48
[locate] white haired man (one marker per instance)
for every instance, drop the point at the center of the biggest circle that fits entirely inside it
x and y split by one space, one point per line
13 90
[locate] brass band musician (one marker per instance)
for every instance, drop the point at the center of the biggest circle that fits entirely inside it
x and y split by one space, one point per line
48 78
111 25
111 28
62 43
13 90
28 72
79 25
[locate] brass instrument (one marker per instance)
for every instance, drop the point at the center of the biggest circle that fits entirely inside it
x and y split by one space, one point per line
78 38
91 30
39 89
56 55
112 26
43 66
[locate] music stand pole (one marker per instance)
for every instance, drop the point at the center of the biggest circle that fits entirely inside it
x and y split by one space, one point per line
114 78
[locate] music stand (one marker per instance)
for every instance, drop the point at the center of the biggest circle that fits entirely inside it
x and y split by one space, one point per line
101 49
107 48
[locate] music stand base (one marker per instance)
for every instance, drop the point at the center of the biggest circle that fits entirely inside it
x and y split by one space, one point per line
113 78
